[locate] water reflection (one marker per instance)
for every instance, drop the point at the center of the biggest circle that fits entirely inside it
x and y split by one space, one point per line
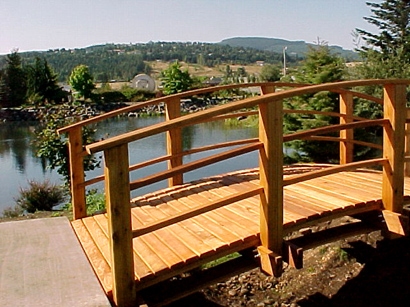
18 161
16 141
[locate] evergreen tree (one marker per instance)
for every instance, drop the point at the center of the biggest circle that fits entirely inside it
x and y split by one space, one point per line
3 89
320 66
15 80
42 83
386 54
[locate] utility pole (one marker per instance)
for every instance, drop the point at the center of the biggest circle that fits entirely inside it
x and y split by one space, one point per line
284 60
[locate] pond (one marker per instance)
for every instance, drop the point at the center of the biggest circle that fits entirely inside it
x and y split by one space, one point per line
18 161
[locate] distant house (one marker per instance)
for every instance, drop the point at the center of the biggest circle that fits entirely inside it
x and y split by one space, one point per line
213 81
260 63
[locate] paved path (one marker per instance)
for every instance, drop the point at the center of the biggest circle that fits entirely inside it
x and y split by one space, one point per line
42 264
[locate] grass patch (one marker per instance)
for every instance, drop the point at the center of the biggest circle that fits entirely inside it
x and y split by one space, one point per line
220 261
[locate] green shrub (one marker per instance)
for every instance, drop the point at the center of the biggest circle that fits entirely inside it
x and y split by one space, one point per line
40 196
12 212
95 202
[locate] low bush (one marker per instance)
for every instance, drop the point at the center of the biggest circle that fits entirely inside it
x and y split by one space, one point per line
40 196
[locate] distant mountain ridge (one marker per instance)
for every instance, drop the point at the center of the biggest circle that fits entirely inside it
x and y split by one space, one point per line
298 48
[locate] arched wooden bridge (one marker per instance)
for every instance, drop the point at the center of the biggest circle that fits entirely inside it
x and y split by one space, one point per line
144 247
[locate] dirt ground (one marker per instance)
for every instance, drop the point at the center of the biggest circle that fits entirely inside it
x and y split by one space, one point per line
362 271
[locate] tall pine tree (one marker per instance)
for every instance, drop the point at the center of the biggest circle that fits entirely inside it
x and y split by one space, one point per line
15 80
42 83
320 66
386 54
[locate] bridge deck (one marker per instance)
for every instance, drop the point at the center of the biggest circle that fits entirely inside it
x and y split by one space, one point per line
173 249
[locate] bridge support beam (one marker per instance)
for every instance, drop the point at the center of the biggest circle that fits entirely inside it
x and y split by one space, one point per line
174 141
271 179
346 147
75 147
393 146
117 192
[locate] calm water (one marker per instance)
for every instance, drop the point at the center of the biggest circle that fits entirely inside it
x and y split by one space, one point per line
18 162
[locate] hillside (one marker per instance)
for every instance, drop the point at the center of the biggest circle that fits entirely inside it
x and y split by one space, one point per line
296 48
124 61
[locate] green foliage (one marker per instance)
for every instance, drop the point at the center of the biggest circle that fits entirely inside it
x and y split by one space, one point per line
123 62
320 66
15 81
270 73
95 201
42 83
12 212
112 96
82 82
386 54
40 196
174 80
53 147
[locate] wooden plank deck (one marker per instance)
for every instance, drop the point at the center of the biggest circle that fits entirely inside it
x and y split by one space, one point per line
173 249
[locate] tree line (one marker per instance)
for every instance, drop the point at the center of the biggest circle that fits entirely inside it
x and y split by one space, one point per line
123 62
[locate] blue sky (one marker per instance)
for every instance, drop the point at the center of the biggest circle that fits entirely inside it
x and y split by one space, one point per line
49 24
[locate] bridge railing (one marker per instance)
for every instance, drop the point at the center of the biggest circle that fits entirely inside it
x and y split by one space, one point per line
175 153
270 111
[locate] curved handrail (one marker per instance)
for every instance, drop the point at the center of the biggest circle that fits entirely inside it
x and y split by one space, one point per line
190 93
230 107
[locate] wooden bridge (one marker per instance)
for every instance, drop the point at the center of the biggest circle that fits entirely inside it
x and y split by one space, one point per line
156 244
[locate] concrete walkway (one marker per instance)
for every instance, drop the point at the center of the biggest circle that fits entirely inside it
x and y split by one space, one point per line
42 264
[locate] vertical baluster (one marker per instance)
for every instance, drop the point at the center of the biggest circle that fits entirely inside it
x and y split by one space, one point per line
75 147
271 179
174 140
117 192
346 147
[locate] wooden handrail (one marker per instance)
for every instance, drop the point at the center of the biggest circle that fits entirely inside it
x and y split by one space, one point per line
231 107
157 101
338 139
334 128
332 170
193 165
184 153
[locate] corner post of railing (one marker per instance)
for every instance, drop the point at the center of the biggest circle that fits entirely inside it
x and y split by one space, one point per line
117 192
174 140
76 158
271 179
407 145
394 100
346 146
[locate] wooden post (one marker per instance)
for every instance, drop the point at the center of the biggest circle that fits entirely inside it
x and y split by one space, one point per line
117 191
174 140
407 145
346 147
393 146
271 179
75 147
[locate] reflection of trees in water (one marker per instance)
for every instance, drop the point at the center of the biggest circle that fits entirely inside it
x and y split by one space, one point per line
15 141
187 137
